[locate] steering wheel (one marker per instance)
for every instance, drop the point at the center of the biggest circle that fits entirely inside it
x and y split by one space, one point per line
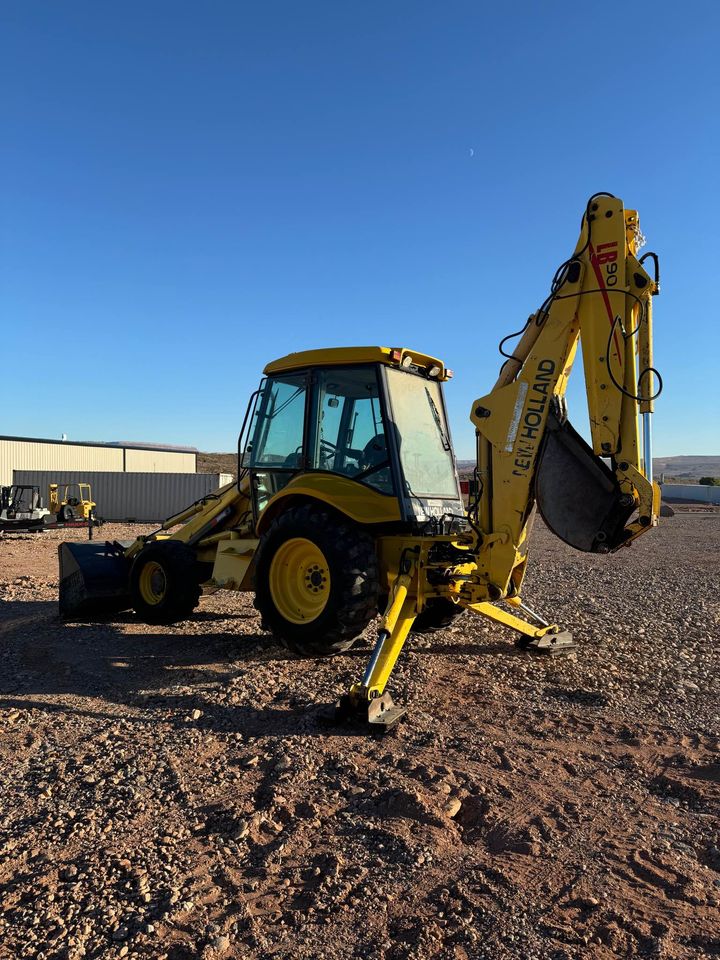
326 454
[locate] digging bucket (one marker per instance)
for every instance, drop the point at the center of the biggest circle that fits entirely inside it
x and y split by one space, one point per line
577 494
93 579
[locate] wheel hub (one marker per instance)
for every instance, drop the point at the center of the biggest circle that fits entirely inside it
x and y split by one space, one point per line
299 580
152 583
315 579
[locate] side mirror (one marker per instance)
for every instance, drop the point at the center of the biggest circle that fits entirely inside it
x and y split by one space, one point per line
246 456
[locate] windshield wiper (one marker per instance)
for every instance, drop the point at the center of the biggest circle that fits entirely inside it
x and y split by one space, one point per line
438 421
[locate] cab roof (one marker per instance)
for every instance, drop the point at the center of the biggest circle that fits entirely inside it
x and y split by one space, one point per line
347 356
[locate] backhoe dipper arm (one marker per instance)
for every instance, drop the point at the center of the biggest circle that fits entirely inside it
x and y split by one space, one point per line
527 451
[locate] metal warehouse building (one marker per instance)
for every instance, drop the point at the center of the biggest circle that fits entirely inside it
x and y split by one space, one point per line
144 497
32 453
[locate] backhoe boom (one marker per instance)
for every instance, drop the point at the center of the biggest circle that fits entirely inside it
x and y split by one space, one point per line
527 452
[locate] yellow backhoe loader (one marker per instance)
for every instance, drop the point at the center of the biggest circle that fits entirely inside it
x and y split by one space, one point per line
347 502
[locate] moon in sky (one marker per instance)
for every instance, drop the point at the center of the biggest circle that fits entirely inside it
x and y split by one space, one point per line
472 152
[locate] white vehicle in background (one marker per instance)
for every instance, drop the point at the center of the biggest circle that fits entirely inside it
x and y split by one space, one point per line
21 508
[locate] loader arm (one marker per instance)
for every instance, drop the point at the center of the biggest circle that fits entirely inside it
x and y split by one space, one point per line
596 497
208 520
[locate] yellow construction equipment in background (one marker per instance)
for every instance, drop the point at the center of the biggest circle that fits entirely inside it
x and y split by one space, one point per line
71 501
347 502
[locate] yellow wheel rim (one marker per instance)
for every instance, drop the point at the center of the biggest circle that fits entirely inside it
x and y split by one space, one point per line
299 580
152 583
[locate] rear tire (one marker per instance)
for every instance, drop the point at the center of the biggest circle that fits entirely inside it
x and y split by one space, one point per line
316 580
164 583
66 514
436 615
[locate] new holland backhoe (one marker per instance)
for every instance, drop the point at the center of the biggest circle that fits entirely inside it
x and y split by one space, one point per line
347 502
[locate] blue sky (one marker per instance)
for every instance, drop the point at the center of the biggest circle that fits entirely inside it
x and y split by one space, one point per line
190 190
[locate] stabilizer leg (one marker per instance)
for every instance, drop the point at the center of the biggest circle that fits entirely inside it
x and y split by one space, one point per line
546 638
366 702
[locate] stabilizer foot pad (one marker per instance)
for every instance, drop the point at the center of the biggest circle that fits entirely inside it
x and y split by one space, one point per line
379 715
382 712
551 644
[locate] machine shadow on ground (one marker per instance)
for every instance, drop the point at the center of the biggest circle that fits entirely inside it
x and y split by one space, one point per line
102 660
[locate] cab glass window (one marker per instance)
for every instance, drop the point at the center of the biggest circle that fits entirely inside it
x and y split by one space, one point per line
279 422
348 434
426 454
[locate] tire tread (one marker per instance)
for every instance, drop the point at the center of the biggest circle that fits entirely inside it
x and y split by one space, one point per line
357 602
184 583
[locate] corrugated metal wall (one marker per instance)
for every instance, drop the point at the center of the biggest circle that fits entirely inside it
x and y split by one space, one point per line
147 497
28 454
690 491
31 455
158 461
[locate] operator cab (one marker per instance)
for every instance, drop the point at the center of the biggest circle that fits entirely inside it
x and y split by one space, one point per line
372 415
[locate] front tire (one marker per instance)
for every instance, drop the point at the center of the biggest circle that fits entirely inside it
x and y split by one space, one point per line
164 583
316 580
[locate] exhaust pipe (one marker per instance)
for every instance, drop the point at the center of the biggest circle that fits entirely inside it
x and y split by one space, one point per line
94 579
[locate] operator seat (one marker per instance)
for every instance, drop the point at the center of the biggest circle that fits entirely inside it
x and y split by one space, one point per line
374 452
293 460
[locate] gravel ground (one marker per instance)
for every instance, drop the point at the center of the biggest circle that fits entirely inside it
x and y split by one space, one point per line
170 793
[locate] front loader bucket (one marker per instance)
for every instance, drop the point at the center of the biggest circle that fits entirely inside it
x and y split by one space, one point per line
577 494
93 579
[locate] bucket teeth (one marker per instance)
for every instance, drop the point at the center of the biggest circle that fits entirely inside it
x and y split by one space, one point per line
93 579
